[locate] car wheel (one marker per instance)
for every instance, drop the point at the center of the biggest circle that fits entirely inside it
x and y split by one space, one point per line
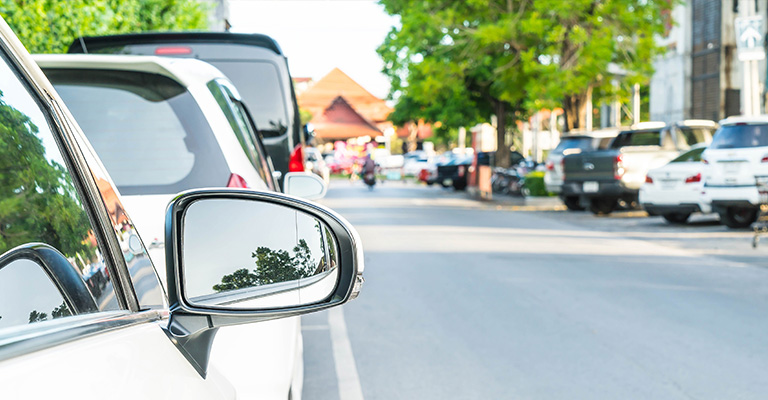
735 217
602 206
677 218
573 203
430 183
445 184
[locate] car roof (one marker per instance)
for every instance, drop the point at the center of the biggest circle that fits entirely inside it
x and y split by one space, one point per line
85 43
187 71
600 133
745 119
697 122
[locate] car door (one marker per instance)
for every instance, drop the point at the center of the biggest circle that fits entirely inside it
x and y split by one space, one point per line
81 308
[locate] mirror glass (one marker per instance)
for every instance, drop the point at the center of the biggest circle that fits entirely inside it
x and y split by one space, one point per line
305 185
249 254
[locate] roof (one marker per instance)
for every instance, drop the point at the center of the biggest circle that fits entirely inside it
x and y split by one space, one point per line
186 71
341 121
99 42
744 119
336 83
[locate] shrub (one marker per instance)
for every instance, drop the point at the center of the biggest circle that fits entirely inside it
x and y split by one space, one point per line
534 183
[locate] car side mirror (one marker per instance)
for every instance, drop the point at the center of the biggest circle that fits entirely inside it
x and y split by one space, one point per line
304 184
241 256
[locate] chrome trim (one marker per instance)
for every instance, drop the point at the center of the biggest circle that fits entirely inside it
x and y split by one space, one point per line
16 341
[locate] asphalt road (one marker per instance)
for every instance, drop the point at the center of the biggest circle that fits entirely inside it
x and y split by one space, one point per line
469 300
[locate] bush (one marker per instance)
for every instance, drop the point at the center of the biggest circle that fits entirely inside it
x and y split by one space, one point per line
534 183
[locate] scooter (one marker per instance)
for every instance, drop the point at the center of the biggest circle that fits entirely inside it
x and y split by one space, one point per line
369 178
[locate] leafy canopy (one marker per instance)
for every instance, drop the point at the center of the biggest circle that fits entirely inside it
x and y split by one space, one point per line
50 26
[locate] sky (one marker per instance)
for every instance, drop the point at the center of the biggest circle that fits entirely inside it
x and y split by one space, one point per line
319 35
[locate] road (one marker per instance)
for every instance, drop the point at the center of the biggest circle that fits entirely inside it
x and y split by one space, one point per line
468 300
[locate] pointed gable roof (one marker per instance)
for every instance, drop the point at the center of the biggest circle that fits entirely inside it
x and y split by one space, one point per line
340 121
337 83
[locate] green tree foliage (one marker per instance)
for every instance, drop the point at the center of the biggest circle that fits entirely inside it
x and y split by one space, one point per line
460 61
49 26
273 266
38 202
35 316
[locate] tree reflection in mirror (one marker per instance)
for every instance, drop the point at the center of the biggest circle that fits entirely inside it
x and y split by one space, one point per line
263 255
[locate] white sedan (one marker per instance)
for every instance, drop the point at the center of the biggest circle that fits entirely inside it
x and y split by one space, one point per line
674 190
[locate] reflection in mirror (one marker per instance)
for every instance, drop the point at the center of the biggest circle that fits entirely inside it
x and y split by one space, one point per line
19 280
248 254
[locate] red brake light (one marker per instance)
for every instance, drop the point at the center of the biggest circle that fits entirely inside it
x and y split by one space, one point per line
296 162
618 170
694 178
173 51
237 181
461 170
550 166
648 179
764 159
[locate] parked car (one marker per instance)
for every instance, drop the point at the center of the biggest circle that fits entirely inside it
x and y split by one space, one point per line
674 190
454 172
132 340
254 63
735 163
315 164
573 143
603 180
162 126
414 162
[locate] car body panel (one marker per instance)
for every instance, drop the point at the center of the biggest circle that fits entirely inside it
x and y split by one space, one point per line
669 188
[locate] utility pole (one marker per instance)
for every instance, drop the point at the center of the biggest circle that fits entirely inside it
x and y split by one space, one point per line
749 39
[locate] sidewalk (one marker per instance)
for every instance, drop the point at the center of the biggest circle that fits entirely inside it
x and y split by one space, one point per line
518 203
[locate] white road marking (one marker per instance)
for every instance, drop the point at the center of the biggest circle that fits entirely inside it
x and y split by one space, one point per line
346 370
315 327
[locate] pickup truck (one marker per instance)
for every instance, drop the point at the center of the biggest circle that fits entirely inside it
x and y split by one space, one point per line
603 180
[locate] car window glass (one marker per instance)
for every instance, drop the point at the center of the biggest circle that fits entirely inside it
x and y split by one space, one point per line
38 199
583 143
34 296
687 136
170 148
259 84
690 156
238 120
637 138
740 136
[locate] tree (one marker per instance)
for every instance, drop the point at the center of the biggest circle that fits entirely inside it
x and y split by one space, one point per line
38 202
576 41
446 63
49 26
239 279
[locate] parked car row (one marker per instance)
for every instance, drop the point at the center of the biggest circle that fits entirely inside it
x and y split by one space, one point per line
670 170
192 154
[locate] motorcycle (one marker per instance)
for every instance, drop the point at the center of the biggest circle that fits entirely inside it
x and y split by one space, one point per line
369 178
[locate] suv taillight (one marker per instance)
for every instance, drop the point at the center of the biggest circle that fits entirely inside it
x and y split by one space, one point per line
694 178
648 179
550 166
296 162
764 159
237 181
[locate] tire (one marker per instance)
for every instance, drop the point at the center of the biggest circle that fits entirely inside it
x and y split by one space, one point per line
573 203
735 218
676 218
602 206
459 186
430 183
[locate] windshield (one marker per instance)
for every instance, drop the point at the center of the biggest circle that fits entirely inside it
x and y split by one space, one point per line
740 136
567 143
147 129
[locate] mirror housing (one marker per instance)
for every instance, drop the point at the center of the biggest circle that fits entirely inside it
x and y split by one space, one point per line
192 326
305 185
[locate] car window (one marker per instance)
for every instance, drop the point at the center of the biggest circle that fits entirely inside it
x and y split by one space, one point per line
740 136
688 136
259 82
566 143
39 204
168 149
238 119
637 138
690 156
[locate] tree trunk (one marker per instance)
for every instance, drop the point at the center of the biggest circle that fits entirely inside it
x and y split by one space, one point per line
574 107
502 147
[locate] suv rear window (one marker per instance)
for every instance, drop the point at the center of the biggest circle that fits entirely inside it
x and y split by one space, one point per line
637 138
581 142
147 129
740 136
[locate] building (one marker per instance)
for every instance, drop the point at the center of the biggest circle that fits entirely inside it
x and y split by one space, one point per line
701 75
342 109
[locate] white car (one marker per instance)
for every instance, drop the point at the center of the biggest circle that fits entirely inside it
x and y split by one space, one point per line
66 334
414 162
674 190
165 125
735 162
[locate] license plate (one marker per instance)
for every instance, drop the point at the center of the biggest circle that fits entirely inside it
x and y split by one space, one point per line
591 187
731 168
668 184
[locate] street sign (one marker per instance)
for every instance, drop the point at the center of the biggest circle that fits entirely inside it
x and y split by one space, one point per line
749 38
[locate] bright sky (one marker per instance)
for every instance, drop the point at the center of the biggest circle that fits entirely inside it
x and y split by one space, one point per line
319 35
